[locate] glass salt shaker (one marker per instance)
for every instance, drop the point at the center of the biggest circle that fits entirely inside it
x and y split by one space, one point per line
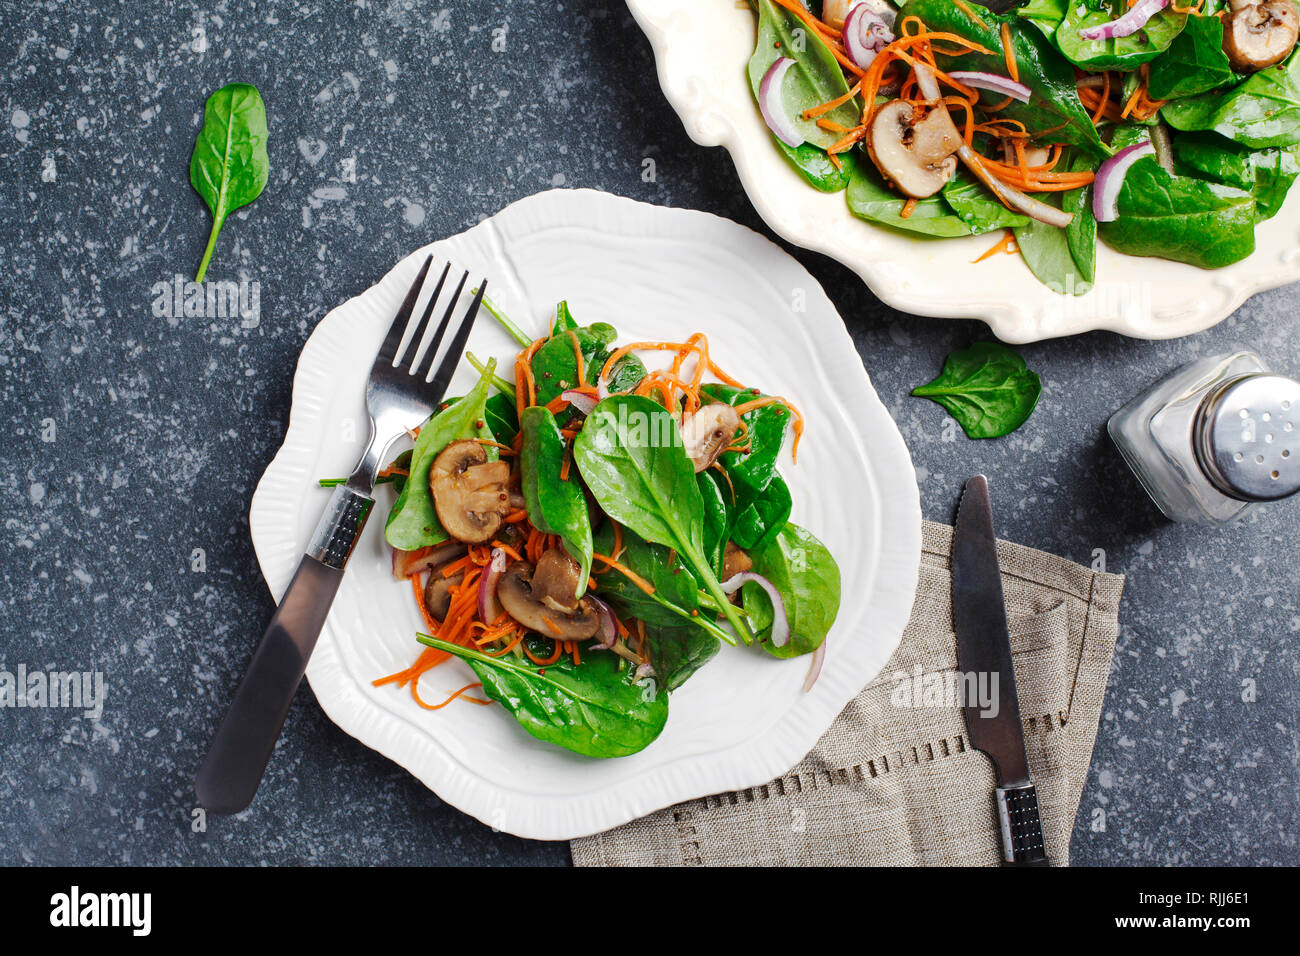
1213 439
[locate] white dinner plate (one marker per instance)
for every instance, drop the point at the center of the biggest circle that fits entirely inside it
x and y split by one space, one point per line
653 273
701 49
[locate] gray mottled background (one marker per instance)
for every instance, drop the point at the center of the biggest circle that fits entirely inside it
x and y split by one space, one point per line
161 429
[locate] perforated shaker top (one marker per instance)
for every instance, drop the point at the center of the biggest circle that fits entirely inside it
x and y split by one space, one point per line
1248 436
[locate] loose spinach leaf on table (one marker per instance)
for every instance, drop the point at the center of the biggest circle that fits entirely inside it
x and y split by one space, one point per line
815 78
555 505
1122 53
413 523
1194 63
229 166
595 708
987 388
1189 220
1261 111
1055 102
631 456
808 579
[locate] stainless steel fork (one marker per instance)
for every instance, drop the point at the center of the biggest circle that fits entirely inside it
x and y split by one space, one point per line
399 396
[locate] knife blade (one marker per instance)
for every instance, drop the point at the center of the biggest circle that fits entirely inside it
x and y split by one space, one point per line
989 702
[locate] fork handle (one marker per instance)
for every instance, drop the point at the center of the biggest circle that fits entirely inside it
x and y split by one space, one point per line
233 768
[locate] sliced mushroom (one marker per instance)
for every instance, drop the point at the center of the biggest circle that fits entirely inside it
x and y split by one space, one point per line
516 593
469 492
708 432
556 579
914 152
1257 35
734 561
437 592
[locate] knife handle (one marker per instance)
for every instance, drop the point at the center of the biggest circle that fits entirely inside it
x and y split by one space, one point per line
243 743
1022 828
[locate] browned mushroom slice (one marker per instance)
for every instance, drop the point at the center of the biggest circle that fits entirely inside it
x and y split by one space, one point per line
1256 35
469 492
708 432
437 592
516 593
734 561
915 152
556 579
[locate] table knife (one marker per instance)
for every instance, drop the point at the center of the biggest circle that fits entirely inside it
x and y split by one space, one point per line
984 655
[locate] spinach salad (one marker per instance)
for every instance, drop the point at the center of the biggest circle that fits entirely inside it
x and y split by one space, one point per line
586 536
1164 130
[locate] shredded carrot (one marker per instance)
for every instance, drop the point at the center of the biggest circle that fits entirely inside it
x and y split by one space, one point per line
908 208
507 549
816 111
564 466
577 358
628 573
559 650
778 400
1006 244
392 470
971 13
1009 53
474 700
577 655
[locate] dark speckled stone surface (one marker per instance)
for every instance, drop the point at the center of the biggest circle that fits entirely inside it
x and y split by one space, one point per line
132 440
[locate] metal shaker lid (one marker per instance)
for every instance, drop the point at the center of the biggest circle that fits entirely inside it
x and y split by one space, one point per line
1248 437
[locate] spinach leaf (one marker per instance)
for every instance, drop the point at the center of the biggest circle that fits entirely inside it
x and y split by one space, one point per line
1055 101
808 579
1081 233
765 516
413 523
1047 251
563 318
870 199
229 166
1122 53
555 505
750 471
974 205
815 78
1262 111
987 388
594 708
502 418
678 650
1182 218
1194 63
1275 171
1044 14
717 517
631 456
555 367
815 165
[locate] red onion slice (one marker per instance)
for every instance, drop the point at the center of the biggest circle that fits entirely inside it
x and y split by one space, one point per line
1110 180
780 624
772 106
488 608
1133 20
815 666
994 83
865 35
579 400
608 628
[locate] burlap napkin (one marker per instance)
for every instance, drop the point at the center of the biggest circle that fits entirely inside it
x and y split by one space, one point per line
893 781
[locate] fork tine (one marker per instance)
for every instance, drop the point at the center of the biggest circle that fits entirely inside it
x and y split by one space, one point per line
423 369
414 345
388 351
457 347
